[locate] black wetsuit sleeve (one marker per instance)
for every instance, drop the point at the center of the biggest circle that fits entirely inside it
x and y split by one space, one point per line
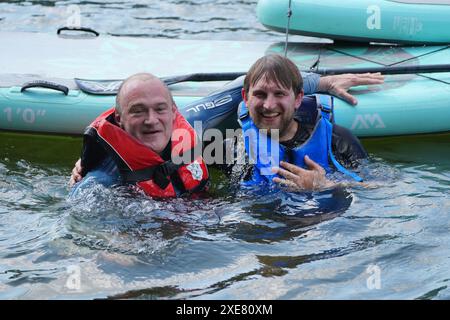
346 147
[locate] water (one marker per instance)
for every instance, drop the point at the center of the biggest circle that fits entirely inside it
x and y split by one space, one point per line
194 19
388 240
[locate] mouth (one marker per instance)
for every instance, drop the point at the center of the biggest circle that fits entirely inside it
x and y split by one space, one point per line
151 132
270 115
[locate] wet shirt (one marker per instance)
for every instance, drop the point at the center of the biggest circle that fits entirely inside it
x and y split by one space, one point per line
345 146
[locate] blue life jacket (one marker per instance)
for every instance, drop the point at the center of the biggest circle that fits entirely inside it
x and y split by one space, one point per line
266 153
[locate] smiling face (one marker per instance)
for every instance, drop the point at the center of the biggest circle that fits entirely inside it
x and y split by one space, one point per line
146 111
272 92
272 106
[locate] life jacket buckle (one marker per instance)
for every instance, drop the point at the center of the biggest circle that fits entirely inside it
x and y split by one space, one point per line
325 108
167 168
243 116
242 111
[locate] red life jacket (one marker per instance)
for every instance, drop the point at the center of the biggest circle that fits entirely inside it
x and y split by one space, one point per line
139 164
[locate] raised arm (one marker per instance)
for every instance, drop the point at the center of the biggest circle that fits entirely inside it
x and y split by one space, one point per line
338 85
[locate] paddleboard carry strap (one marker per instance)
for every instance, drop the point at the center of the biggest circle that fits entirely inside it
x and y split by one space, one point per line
46 85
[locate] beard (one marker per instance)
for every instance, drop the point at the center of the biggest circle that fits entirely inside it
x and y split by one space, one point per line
275 130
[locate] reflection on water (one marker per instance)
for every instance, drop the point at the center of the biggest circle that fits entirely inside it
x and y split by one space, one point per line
230 245
118 220
207 235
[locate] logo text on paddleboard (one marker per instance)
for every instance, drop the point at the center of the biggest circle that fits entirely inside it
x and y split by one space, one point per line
211 104
367 121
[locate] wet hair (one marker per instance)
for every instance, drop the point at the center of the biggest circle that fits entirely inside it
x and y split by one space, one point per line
140 77
275 68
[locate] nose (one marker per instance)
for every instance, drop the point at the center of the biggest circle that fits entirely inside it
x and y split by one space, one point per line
151 118
269 102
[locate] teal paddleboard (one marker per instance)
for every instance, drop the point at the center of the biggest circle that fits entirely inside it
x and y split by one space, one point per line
403 105
29 57
400 21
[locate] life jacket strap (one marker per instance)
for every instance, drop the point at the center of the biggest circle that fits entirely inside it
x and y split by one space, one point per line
243 114
157 173
326 104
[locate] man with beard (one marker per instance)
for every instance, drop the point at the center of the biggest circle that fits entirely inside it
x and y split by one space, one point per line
289 137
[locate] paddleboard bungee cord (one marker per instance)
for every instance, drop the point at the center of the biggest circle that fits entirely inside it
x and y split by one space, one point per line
289 14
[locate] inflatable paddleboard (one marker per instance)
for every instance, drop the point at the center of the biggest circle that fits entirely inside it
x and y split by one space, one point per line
28 57
394 21
405 104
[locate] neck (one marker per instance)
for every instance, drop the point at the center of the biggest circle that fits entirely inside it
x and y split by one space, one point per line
289 133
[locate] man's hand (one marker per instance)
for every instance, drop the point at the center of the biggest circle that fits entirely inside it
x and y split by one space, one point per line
338 85
297 178
76 173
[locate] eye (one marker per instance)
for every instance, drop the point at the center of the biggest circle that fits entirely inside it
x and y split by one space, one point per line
137 110
259 95
161 108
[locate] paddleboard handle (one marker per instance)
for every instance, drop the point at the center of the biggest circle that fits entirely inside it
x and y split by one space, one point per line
45 84
82 29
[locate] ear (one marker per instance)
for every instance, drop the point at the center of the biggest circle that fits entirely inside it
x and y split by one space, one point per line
174 111
117 118
244 96
298 99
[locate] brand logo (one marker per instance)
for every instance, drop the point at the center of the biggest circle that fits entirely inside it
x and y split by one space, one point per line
211 104
367 121
196 170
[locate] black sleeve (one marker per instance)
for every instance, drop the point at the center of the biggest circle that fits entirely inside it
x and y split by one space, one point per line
346 147
92 153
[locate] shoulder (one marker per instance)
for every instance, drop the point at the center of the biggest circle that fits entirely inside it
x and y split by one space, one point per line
343 133
346 145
